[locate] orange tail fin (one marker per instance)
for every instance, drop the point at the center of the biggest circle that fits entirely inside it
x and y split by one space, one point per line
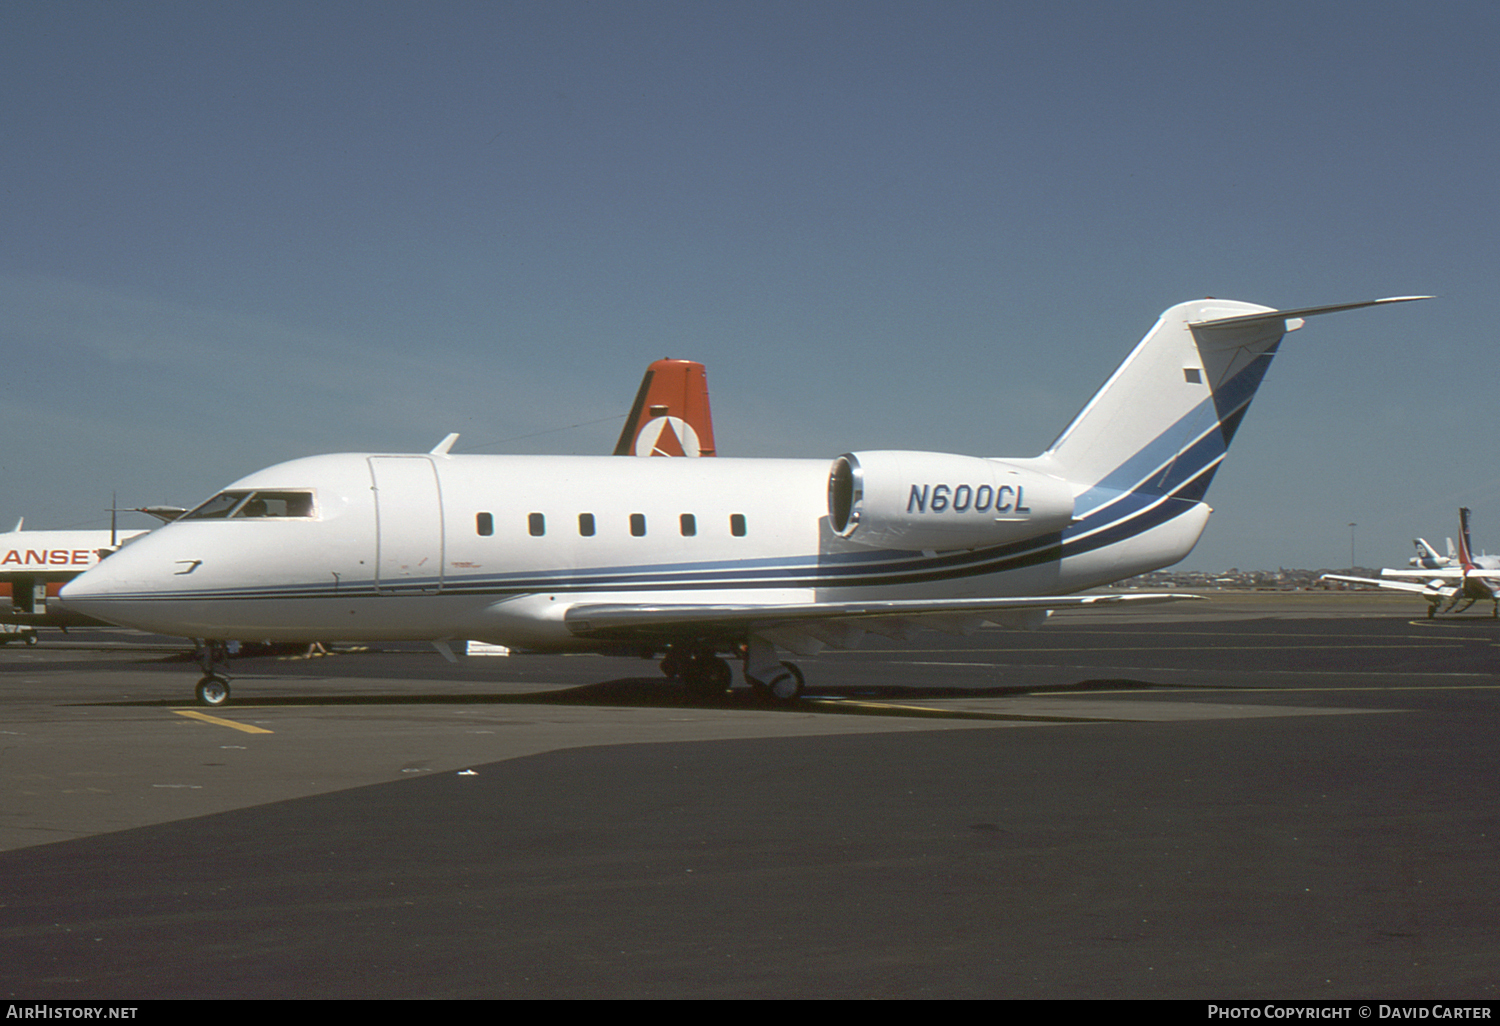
671 415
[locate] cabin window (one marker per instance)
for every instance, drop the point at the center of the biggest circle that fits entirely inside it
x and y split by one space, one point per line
737 524
586 524
484 523
537 525
689 525
638 525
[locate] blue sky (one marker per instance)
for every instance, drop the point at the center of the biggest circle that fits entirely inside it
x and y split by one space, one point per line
237 233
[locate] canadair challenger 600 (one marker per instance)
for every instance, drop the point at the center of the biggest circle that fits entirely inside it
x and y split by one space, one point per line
695 560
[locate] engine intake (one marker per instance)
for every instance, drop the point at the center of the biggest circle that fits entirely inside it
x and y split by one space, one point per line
936 500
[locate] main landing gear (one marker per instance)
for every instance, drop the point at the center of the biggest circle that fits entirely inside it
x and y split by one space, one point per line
785 684
702 671
770 677
707 675
213 688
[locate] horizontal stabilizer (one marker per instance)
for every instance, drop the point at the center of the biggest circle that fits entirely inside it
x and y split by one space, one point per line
1270 316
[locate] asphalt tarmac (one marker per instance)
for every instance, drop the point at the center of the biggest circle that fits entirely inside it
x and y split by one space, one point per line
1256 796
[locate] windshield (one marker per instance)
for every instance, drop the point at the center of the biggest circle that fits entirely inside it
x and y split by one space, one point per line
246 505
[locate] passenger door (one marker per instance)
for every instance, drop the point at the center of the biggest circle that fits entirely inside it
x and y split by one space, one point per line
408 525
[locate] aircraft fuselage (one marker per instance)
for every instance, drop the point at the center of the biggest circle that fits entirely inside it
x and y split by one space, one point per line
496 548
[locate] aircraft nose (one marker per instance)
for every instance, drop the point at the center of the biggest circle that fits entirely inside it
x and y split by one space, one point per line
88 588
111 591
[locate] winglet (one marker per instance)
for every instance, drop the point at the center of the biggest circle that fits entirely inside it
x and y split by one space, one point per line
441 449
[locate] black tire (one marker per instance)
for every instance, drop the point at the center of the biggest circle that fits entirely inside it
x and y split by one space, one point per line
213 691
706 674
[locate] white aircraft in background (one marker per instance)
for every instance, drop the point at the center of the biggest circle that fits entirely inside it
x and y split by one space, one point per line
1427 556
34 565
1474 578
697 558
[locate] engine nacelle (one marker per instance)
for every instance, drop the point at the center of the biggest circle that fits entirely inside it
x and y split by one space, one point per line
936 500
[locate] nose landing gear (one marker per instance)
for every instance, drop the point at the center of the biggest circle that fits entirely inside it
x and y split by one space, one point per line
213 688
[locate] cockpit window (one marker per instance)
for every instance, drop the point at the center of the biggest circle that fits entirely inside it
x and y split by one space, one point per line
247 505
276 504
218 507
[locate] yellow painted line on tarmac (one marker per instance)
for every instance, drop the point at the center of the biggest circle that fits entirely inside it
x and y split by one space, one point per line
850 703
1088 649
193 714
890 708
1396 689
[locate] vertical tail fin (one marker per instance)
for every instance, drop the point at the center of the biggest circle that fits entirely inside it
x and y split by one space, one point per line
1465 549
1428 557
671 415
1163 421
1160 426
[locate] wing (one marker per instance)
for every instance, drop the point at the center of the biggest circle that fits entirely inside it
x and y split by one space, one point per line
810 627
1393 585
1444 573
1440 573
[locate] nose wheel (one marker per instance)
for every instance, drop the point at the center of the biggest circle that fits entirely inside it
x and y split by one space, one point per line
213 686
213 690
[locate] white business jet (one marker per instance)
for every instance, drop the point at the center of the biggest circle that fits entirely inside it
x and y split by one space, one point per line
670 417
696 559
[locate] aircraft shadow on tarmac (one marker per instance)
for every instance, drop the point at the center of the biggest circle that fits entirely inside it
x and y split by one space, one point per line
654 692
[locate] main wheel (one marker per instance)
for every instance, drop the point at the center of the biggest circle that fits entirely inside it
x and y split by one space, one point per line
213 690
784 687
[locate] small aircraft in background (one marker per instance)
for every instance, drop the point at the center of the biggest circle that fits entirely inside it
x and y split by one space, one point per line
1475 578
697 559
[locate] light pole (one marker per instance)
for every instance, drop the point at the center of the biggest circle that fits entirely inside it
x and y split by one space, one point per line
1352 564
